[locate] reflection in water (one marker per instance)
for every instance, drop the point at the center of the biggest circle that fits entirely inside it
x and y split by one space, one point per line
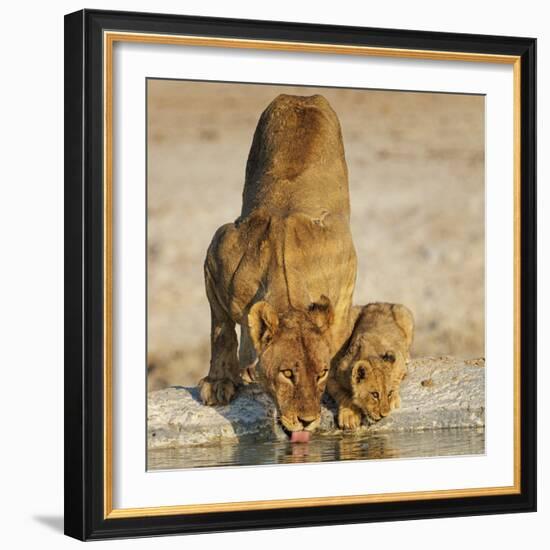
248 452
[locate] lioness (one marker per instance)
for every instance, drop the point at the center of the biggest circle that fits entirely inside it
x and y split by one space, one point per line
366 375
285 269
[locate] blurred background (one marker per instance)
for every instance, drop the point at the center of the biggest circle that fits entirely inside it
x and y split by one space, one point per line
416 176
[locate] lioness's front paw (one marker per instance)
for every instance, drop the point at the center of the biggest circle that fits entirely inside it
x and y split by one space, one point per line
349 418
217 392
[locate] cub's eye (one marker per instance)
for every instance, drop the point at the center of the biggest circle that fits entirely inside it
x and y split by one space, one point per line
287 373
390 393
322 374
375 394
388 357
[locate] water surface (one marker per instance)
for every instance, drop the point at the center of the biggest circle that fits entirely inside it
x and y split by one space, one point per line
249 452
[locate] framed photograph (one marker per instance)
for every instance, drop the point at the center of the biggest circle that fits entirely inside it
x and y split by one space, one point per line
300 274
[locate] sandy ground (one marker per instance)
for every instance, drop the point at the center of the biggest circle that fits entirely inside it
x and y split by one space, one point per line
416 168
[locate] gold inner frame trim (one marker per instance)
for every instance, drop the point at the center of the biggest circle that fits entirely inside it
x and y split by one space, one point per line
109 39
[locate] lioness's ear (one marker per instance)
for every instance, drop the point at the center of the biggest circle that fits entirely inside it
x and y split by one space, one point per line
263 323
321 313
359 372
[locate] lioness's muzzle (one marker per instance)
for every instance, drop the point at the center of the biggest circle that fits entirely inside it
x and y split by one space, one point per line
299 430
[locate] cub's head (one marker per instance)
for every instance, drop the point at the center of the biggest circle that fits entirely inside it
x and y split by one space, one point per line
293 361
375 383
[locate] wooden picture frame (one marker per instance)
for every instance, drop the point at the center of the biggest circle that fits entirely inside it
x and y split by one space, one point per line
89 39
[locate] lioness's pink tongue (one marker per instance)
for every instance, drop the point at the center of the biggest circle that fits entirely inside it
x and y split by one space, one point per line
300 437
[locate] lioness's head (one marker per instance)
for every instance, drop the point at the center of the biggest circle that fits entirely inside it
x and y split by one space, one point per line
375 384
293 361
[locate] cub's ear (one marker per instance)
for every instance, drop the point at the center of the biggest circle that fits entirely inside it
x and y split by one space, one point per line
321 313
405 321
263 323
359 372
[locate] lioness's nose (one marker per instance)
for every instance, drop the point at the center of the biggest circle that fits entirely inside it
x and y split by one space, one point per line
306 421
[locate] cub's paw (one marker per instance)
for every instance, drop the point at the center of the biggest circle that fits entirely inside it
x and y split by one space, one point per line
217 392
396 404
349 417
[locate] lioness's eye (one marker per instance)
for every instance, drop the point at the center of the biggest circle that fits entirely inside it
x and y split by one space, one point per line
375 394
288 373
323 374
389 357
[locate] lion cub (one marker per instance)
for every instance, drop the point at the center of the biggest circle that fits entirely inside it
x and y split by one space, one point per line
365 377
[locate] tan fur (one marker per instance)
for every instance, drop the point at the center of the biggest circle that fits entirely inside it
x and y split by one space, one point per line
285 270
365 376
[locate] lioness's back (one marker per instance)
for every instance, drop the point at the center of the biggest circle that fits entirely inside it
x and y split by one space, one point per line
297 160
